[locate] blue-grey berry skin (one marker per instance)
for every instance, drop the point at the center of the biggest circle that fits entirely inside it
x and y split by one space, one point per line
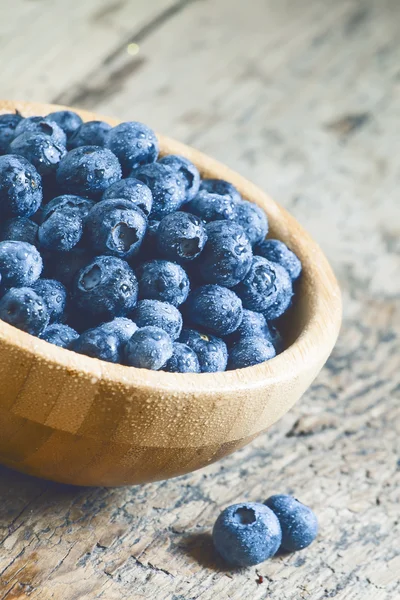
166 186
116 227
213 207
20 229
283 296
250 351
187 170
298 523
253 220
181 237
104 289
60 335
88 171
253 325
20 264
158 314
61 231
68 120
221 187
67 203
227 255
260 288
247 534
277 252
44 126
215 309
148 348
54 295
133 190
163 280
91 133
25 309
211 351
41 150
276 338
20 187
106 341
183 360
134 144
63 266
8 124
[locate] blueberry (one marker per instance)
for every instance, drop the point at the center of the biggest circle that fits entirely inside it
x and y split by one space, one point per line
60 231
187 170
253 220
91 133
67 203
253 325
183 360
20 229
148 348
166 186
116 227
298 522
106 341
158 314
163 280
250 351
68 120
221 187
8 124
88 171
104 289
227 254
20 187
259 289
211 351
40 149
213 207
247 534
20 264
276 251
134 144
42 125
131 189
181 237
283 296
60 335
24 309
214 308
54 295
64 266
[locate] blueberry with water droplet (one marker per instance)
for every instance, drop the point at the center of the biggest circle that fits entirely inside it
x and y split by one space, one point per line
20 187
25 309
20 264
54 295
148 348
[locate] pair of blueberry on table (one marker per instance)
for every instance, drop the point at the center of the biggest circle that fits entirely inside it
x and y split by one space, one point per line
112 251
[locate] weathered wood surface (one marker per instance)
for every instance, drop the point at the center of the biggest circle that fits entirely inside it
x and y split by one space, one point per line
303 98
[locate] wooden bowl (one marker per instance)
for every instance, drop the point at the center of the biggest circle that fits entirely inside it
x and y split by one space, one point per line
78 420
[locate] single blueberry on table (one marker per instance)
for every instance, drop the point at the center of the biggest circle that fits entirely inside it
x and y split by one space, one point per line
148 348
250 351
106 341
158 314
253 220
183 360
220 187
104 289
54 295
88 171
60 335
25 309
20 187
211 351
163 280
187 170
253 325
215 309
60 231
68 120
166 186
227 255
41 150
8 124
63 266
181 237
134 144
91 133
20 264
133 190
116 227
247 534
213 207
67 203
298 522
42 125
277 252
20 229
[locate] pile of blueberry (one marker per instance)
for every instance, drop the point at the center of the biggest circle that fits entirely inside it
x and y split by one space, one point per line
249 533
111 251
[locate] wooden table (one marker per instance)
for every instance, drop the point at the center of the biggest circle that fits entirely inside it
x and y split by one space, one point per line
301 96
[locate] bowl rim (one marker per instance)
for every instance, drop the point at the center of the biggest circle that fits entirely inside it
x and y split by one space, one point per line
313 344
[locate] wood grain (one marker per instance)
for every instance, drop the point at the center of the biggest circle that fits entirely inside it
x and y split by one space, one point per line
302 98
